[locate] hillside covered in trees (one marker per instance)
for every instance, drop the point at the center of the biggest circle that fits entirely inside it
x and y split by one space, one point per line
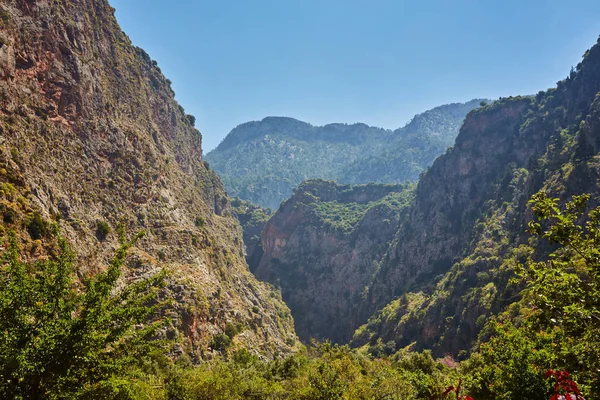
263 161
467 244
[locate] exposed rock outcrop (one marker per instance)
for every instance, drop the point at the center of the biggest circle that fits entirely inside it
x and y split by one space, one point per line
90 133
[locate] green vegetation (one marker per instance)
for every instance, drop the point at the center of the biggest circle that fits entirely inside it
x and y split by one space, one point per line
191 119
466 235
558 325
102 230
264 161
64 340
321 372
220 342
342 207
37 226
564 290
554 327
199 222
343 216
340 216
332 234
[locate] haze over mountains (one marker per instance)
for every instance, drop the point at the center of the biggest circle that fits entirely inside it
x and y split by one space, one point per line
263 161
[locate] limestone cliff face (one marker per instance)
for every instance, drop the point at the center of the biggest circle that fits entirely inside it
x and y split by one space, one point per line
451 196
253 219
320 248
90 132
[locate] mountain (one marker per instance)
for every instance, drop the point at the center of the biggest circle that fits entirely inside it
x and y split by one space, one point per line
449 266
91 138
465 233
263 161
319 249
413 148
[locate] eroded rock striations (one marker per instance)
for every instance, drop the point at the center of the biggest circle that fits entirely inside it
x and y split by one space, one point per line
91 137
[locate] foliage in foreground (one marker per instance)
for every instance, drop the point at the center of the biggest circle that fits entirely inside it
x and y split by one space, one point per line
558 326
322 372
63 340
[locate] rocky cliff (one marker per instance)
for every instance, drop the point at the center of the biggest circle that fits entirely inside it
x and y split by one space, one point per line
320 249
253 220
91 137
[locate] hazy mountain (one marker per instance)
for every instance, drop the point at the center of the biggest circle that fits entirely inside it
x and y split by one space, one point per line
263 161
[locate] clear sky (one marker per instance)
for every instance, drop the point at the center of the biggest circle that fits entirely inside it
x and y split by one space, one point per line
373 61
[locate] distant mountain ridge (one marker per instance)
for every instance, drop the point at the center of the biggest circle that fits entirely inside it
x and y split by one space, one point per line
263 161
300 130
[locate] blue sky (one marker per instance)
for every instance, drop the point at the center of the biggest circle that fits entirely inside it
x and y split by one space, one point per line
373 61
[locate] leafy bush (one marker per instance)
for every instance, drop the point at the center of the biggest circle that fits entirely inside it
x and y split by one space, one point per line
199 222
510 365
102 230
191 119
220 342
231 330
558 323
37 226
60 341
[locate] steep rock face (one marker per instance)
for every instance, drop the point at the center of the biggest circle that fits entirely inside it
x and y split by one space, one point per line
90 134
451 195
253 220
457 249
320 247
263 161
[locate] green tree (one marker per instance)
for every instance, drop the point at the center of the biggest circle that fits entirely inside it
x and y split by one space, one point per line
61 340
510 365
102 230
558 327
565 288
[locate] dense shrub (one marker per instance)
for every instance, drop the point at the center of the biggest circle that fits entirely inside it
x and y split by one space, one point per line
61 340
102 230
37 226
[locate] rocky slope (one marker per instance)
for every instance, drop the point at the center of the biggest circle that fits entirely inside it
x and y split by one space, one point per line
90 137
263 161
319 249
450 265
